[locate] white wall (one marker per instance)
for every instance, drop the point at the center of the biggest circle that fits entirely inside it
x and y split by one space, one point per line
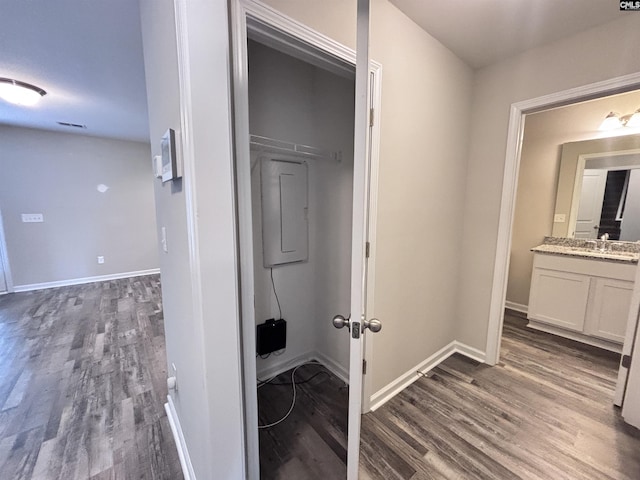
422 179
594 55
297 102
57 174
199 277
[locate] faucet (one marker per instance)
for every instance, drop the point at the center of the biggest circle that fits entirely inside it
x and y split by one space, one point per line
604 244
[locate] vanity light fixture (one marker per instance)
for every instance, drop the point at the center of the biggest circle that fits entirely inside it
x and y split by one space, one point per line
614 120
20 93
634 121
611 122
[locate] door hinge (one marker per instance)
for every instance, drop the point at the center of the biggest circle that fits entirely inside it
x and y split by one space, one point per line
626 361
371 111
364 366
367 249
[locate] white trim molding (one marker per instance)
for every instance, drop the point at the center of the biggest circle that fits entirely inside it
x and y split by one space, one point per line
330 364
333 366
80 281
385 394
181 446
516 307
510 182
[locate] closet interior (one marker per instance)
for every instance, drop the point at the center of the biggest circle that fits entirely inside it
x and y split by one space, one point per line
301 119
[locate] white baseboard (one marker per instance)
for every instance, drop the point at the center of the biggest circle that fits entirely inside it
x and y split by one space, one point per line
279 368
518 307
176 429
385 394
469 352
79 281
330 364
333 366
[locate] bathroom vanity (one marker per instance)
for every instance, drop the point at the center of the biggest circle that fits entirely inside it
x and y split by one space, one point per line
582 289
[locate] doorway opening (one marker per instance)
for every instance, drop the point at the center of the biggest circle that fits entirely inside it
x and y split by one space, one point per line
543 210
302 198
301 121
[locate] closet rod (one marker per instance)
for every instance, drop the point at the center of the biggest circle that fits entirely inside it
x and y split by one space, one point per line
267 143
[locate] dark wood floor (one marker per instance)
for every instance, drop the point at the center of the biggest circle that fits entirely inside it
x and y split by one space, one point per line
312 442
82 384
545 412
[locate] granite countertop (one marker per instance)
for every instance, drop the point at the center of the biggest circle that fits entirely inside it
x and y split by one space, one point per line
625 252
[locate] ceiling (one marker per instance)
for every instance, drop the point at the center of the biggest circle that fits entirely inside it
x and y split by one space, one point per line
482 32
88 56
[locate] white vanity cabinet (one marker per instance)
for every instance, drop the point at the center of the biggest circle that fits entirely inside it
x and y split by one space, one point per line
583 299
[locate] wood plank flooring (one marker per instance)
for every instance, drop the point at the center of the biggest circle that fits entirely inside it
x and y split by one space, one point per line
82 384
545 412
312 442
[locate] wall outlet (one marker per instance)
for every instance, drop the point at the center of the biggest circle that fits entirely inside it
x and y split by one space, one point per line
32 218
100 259
559 218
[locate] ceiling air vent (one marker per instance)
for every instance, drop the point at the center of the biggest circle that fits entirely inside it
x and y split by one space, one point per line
73 125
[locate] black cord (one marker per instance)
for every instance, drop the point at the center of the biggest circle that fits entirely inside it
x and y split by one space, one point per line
275 293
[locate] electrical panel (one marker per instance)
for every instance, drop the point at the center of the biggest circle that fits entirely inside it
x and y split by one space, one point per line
285 226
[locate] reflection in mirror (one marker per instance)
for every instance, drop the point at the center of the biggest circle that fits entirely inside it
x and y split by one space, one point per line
603 197
598 190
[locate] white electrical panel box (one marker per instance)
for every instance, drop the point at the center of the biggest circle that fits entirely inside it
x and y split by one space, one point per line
285 226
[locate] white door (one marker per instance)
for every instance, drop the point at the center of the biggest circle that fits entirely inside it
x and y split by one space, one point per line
631 405
590 206
359 322
630 227
628 346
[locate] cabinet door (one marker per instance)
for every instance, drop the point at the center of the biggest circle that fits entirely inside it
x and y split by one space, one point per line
559 298
609 309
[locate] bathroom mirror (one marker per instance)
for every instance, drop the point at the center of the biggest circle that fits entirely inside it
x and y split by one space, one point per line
599 189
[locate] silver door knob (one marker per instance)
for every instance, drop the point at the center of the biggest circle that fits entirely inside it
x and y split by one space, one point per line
374 325
339 321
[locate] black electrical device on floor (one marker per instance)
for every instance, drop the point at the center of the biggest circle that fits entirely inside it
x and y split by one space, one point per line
271 336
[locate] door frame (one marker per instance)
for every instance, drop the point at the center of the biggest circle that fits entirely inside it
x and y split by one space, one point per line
291 34
510 185
4 258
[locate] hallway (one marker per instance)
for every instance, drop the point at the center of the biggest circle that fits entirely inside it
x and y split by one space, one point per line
82 383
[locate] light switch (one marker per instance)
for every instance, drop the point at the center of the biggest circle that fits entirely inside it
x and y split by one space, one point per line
163 239
32 218
559 218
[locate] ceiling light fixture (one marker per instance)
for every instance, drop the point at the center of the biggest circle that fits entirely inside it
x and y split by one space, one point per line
614 120
20 93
